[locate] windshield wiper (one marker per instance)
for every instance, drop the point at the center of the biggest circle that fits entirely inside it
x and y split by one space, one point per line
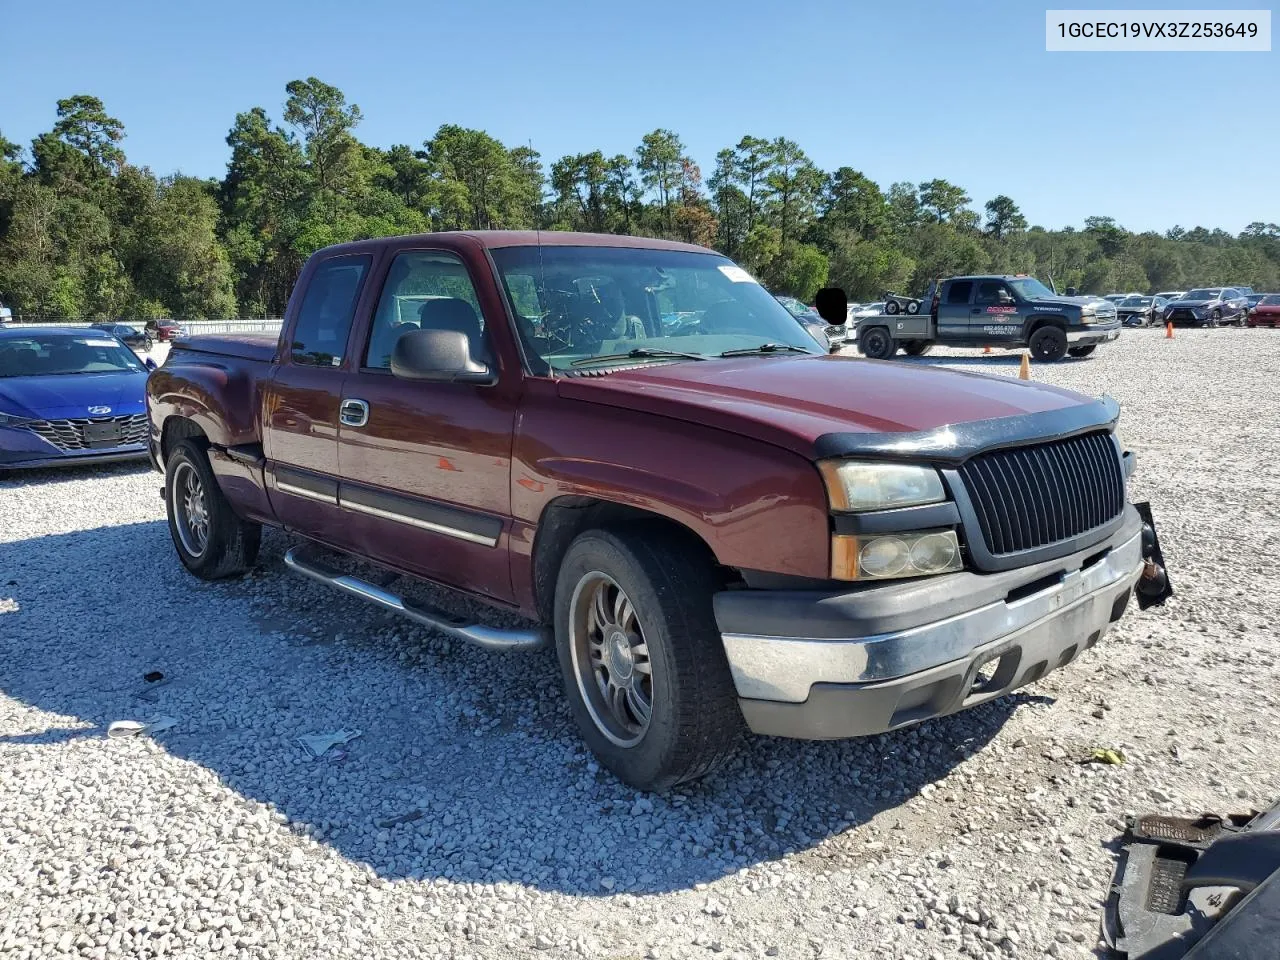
639 353
765 348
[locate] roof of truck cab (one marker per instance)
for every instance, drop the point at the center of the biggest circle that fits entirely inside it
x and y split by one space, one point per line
494 239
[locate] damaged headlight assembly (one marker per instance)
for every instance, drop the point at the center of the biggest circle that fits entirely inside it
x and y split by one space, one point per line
855 487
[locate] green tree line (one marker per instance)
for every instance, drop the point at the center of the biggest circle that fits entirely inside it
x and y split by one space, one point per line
84 233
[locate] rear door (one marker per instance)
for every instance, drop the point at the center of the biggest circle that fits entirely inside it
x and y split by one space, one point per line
300 400
995 316
954 310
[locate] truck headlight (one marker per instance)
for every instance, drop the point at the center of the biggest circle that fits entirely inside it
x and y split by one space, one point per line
854 486
889 556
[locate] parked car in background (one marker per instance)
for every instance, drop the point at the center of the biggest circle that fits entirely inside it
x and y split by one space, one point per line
163 331
1246 291
1266 312
69 395
719 530
874 309
1253 299
827 335
130 336
1115 298
5 315
1206 307
1141 311
1171 294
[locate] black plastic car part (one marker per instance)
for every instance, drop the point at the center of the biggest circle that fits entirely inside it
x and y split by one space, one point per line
1206 888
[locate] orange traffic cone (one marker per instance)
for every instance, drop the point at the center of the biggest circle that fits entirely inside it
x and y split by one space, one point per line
1024 369
1168 330
986 349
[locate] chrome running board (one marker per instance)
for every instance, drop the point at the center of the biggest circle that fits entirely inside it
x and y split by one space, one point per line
491 638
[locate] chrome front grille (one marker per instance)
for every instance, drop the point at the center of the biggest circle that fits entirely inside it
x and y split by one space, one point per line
70 434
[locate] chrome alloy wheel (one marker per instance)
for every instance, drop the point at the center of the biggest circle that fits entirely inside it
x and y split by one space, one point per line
610 659
191 511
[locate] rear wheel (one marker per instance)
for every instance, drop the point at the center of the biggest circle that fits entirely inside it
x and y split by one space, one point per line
1048 344
212 542
876 344
917 348
643 664
1082 351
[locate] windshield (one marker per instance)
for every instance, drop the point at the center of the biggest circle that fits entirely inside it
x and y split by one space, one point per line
1271 300
1029 288
575 303
1136 302
1207 293
35 355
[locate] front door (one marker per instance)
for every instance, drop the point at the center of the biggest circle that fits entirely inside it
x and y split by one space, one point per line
954 311
300 401
426 467
995 316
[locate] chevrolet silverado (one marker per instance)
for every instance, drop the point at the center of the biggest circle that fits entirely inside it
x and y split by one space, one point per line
717 525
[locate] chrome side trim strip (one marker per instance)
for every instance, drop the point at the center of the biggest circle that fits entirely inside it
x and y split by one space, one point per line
415 522
287 487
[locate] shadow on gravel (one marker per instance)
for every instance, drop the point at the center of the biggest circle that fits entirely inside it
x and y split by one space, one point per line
467 766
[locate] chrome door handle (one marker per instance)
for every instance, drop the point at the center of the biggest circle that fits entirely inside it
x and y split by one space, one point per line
353 413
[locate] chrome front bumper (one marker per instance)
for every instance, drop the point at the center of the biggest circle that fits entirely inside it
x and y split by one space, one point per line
822 688
1105 334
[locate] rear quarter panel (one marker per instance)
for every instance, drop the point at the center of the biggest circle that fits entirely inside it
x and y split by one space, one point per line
755 505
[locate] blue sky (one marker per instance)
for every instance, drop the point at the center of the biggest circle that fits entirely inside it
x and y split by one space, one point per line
908 90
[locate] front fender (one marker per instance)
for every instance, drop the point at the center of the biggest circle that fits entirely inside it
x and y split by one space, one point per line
756 506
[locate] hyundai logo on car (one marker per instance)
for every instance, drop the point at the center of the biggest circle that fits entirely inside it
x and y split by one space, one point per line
99 410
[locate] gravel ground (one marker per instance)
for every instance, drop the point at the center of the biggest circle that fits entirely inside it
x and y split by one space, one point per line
467 821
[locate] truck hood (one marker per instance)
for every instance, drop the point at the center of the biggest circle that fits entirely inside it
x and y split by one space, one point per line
71 396
792 401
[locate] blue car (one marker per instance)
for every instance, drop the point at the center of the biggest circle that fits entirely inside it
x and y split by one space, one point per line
69 395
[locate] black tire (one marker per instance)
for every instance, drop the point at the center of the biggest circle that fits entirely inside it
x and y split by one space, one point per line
230 545
1082 351
913 307
694 723
891 307
1215 318
917 348
876 344
1048 344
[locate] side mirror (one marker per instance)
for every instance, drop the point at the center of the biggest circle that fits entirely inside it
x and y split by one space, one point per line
1003 297
832 305
438 356
150 364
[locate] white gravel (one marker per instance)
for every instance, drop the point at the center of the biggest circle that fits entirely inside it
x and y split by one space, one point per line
975 835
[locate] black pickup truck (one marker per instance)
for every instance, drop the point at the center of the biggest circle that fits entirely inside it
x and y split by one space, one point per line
996 311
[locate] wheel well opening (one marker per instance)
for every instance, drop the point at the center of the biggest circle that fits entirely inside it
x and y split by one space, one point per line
565 518
1041 322
177 429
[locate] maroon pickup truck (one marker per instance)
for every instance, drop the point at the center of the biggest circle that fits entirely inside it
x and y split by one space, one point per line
631 443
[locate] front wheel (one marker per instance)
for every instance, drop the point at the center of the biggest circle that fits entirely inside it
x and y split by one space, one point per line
212 542
876 344
643 664
1048 344
1215 318
1082 351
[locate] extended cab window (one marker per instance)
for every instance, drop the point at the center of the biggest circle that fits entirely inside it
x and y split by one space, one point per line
990 291
959 292
324 319
427 290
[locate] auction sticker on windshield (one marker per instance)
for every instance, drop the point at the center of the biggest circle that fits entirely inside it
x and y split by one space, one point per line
736 273
99 343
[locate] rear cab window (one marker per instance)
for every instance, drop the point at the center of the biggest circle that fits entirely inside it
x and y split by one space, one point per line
960 291
328 307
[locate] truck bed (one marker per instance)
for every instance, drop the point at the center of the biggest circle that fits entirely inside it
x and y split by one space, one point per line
244 346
